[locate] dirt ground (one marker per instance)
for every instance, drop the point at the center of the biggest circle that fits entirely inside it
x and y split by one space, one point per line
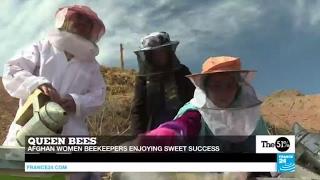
8 108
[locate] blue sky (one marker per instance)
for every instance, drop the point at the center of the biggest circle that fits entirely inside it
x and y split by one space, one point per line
280 39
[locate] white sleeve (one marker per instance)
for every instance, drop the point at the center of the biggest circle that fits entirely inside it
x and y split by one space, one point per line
90 102
18 77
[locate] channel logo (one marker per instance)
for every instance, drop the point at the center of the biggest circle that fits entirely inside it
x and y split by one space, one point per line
286 163
275 144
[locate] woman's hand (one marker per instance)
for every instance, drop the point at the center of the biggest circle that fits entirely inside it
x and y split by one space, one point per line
68 104
158 137
50 91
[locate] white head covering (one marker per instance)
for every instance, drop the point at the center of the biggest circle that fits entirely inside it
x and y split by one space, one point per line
81 48
240 119
65 14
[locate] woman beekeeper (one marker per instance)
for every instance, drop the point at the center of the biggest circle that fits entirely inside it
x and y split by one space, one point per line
161 86
224 108
64 67
224 104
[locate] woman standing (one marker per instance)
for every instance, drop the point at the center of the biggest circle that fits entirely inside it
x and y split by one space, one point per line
161 86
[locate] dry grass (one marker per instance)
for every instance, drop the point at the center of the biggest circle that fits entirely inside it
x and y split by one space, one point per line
8 108
113 118
284 108
278 131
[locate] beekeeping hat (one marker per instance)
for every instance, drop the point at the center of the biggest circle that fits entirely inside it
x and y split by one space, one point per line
241 117
157 40
225 64
153 41
220 64
65 14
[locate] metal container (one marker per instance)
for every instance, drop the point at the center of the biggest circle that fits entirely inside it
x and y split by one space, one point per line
50 118
307 146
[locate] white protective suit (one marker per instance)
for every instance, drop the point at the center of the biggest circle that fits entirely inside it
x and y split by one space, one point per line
45 62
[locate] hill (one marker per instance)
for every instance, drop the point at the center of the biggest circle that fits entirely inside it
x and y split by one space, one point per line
283 108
